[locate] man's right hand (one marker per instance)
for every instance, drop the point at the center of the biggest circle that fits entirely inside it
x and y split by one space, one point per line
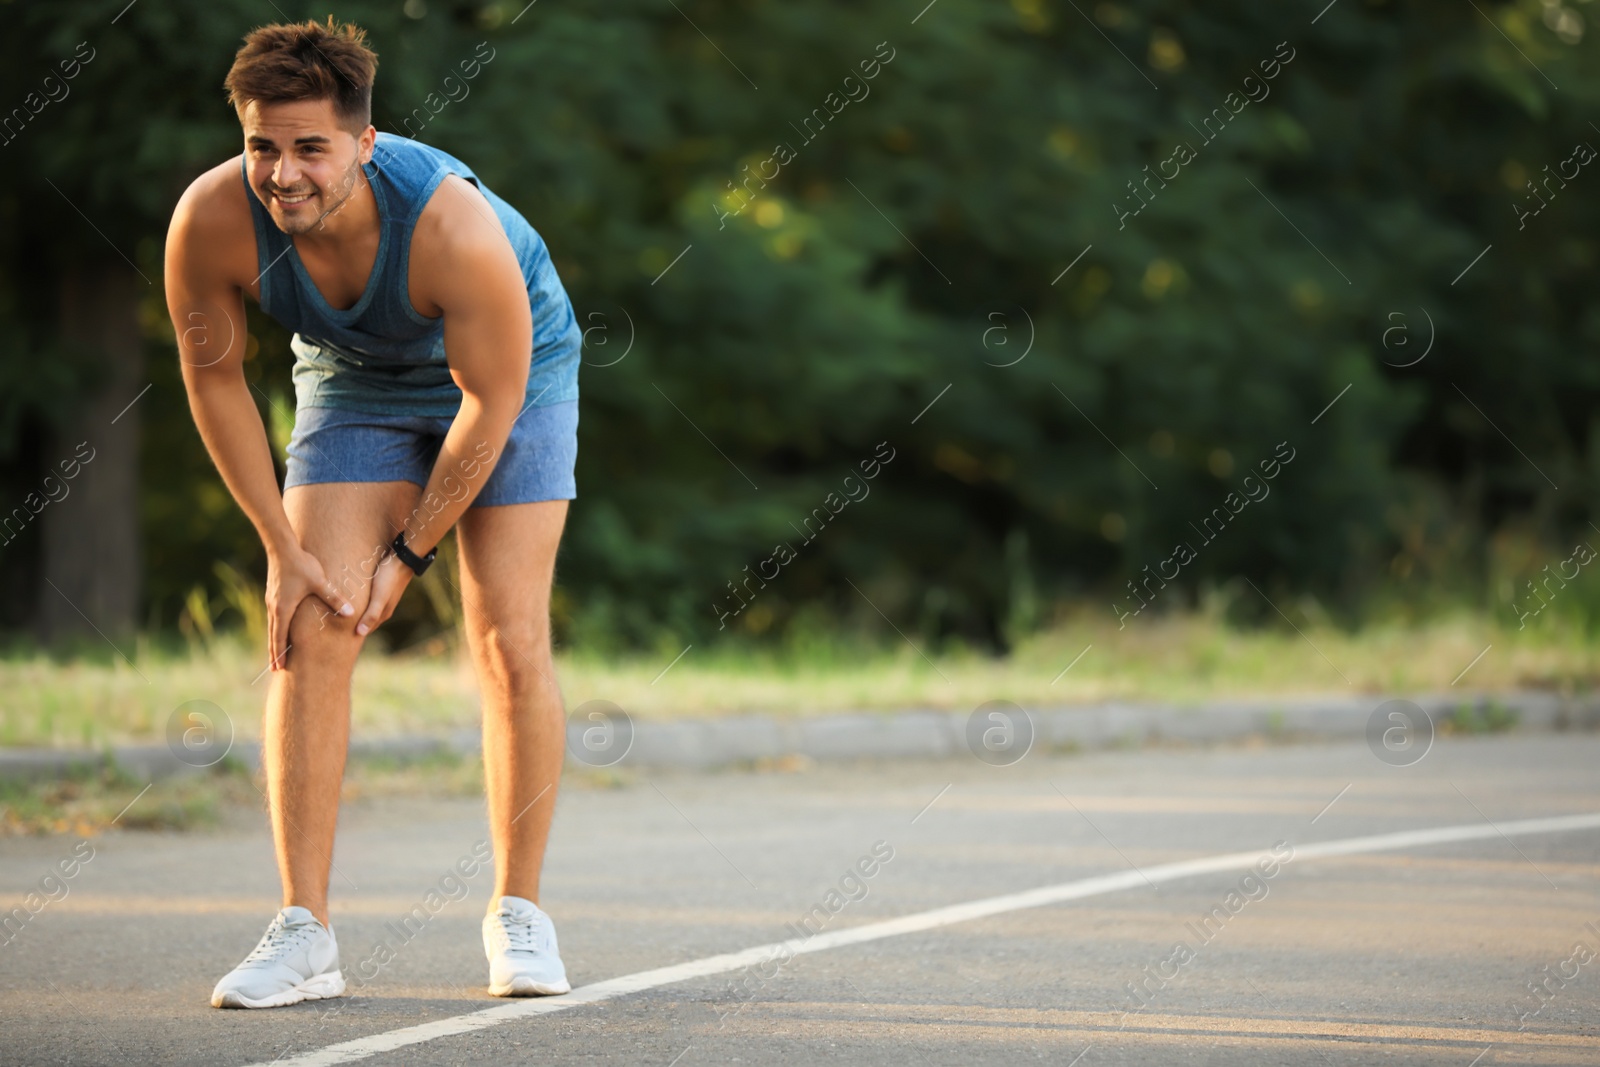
292 576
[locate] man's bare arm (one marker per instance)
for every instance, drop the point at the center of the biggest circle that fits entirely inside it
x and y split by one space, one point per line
467 271
477 284
205 301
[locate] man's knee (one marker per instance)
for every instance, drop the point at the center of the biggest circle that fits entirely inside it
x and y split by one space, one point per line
318 630
516 657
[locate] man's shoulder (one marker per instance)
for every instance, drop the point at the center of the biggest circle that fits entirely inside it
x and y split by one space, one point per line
212 217
458 237
216 197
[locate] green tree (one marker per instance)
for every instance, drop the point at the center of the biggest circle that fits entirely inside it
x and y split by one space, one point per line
978 196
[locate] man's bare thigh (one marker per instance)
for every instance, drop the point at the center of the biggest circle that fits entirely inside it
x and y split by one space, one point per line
347 526
508 556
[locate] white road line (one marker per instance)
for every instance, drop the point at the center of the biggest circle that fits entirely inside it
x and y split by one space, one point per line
361 1048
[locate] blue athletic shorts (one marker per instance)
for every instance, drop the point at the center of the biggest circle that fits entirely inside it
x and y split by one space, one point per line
338 445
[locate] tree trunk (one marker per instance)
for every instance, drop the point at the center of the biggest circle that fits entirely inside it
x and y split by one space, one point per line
90 537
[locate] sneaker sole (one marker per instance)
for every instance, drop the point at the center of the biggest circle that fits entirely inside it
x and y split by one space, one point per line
527 987
317 987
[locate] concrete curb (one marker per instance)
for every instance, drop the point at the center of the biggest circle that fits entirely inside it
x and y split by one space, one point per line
911 734
931 734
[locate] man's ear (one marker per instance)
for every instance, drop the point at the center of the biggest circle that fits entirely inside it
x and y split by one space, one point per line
365 143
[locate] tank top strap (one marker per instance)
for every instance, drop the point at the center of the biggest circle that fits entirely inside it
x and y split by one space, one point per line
404 176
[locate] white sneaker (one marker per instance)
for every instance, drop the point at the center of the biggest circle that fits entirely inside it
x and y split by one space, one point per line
296 959
521 944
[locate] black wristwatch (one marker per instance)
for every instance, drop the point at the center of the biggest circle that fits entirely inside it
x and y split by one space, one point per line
417 563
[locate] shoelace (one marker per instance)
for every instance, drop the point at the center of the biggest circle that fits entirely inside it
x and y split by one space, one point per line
278 941
521 934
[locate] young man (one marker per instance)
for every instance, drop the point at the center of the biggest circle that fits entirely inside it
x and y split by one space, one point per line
436 386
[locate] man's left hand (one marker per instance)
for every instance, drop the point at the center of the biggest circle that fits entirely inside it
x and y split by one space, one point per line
387 586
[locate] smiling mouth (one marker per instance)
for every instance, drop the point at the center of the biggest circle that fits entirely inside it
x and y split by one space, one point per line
291 201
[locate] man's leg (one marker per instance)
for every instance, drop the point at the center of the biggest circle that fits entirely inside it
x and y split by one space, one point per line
307 726
508 558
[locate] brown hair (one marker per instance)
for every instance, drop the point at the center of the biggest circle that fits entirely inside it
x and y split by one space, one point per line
306 61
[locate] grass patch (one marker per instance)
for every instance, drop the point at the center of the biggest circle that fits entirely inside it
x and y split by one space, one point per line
442 774
89 801
1486 717
1184 659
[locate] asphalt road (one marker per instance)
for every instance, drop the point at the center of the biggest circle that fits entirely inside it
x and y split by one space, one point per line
1421 952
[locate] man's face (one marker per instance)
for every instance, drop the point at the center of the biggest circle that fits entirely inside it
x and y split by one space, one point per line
303 163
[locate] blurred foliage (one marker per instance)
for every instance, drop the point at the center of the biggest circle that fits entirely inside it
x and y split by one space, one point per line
1485 717
89 800
907 256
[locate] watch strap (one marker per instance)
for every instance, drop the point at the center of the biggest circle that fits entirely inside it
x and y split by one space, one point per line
418 564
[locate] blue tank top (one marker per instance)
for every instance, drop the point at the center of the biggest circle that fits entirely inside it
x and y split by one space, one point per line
380 356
